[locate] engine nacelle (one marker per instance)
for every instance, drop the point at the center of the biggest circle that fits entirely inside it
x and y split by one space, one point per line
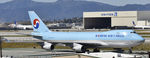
79 48
48 46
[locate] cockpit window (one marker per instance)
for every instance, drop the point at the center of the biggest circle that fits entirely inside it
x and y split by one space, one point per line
133 32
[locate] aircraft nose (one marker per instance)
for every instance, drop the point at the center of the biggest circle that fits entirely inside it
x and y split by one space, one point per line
138 38
141 39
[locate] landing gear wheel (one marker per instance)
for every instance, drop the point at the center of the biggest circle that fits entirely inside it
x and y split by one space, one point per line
83 49
96 50
87 51
130 50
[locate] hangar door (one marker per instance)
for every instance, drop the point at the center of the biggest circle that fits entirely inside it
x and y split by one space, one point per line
97 23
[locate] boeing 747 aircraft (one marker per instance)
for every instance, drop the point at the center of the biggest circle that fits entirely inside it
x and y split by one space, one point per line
80 41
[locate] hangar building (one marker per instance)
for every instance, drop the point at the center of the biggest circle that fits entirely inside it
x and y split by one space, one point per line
114 19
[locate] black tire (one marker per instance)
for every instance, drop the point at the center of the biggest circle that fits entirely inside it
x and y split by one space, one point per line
88 51
96 50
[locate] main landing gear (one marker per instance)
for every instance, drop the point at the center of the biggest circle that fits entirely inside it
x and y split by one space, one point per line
96 50
130 49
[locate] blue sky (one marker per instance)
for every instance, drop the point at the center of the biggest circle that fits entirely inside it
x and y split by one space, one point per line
111 2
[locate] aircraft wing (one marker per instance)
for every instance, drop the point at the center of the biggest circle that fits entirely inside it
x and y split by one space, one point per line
27 38
92 44
24 34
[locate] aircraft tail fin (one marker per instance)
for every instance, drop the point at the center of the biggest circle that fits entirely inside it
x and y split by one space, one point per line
37 23
133 23
15 22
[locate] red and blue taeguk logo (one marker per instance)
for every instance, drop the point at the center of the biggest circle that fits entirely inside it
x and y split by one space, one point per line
36 23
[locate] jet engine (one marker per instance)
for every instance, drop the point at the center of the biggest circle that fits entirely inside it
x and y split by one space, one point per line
48 46
79 48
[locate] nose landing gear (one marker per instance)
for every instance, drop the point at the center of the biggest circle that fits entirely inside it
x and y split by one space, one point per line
130 49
